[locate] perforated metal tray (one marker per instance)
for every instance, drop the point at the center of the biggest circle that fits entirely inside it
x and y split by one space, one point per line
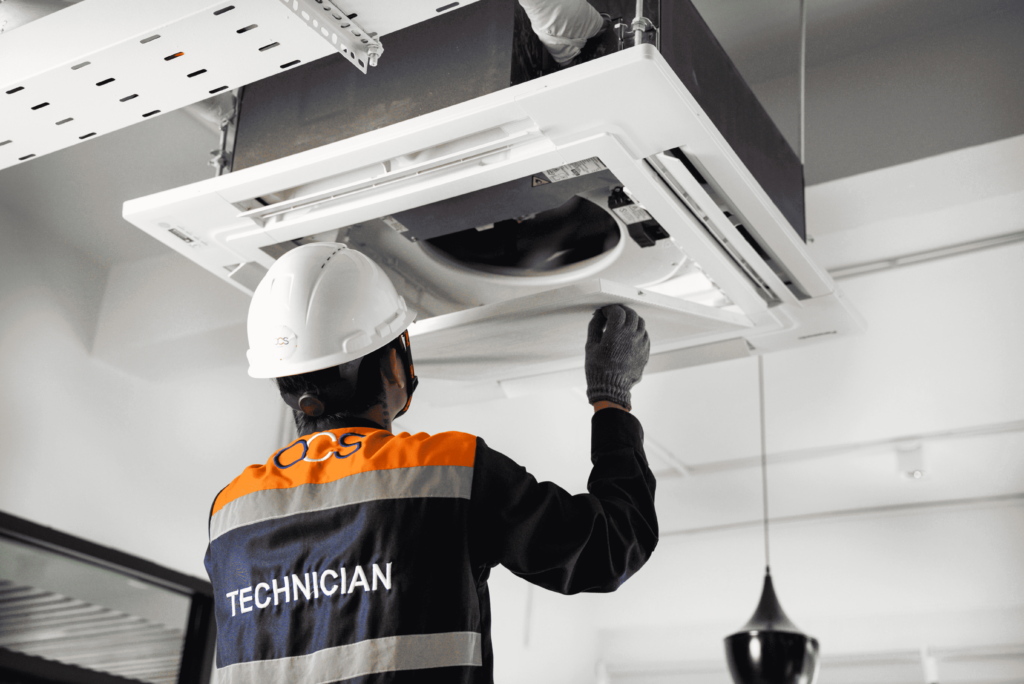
101 65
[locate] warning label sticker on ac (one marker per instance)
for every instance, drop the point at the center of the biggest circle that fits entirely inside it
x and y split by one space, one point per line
575 170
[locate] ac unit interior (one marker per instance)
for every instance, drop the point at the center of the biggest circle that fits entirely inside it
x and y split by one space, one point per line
506 219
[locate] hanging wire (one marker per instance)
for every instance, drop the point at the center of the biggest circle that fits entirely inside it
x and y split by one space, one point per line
764 461
803 73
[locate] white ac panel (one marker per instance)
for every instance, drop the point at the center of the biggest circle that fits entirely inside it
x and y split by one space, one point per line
101 65
705 291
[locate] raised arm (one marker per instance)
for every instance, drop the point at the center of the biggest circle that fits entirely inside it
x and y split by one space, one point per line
587 542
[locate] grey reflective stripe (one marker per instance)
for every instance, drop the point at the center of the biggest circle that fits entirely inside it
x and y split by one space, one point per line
411 652
449 482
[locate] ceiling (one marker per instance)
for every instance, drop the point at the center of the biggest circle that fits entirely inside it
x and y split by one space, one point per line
888 82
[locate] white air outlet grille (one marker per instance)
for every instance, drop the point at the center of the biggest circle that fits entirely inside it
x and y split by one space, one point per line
416 167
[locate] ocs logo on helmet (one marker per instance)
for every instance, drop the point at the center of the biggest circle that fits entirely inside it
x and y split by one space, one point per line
284 342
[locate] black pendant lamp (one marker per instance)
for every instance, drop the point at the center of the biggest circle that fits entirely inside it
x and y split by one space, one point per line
770 649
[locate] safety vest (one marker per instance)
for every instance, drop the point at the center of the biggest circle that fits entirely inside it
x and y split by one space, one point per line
346 555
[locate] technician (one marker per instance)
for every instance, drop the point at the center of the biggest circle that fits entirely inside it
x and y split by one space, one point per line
357 555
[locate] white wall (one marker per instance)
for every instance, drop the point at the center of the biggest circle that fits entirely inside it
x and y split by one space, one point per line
96 452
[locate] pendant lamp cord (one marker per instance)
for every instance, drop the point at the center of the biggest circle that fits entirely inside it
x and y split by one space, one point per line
803 72
764 461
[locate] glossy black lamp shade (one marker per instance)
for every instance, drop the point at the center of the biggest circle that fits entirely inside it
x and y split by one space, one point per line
770 649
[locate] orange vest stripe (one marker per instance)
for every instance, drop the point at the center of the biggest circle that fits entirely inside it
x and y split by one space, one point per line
335 454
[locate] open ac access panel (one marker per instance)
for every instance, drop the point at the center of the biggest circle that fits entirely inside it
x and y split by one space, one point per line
507 198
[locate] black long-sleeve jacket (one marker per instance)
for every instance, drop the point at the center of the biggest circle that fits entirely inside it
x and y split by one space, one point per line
360 556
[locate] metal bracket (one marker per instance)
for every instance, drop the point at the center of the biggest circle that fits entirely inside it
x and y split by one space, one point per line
221 158
331 23
620 29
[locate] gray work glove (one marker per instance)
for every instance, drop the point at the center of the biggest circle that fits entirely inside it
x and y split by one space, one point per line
616 353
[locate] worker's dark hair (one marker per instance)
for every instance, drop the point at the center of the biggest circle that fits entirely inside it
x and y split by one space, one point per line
369 390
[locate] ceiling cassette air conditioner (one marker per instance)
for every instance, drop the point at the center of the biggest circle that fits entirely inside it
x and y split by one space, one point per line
505 220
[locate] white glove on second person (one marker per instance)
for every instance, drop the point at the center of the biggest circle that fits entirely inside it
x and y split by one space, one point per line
563 26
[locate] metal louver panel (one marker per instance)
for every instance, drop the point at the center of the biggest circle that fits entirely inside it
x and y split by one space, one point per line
75 611
56 627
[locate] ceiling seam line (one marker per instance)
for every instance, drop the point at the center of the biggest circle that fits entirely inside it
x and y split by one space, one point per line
850 513
841 449
924 256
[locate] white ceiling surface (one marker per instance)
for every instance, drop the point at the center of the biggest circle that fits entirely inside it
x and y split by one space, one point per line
867 560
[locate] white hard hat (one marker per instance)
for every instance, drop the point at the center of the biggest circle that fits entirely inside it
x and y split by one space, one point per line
321 305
